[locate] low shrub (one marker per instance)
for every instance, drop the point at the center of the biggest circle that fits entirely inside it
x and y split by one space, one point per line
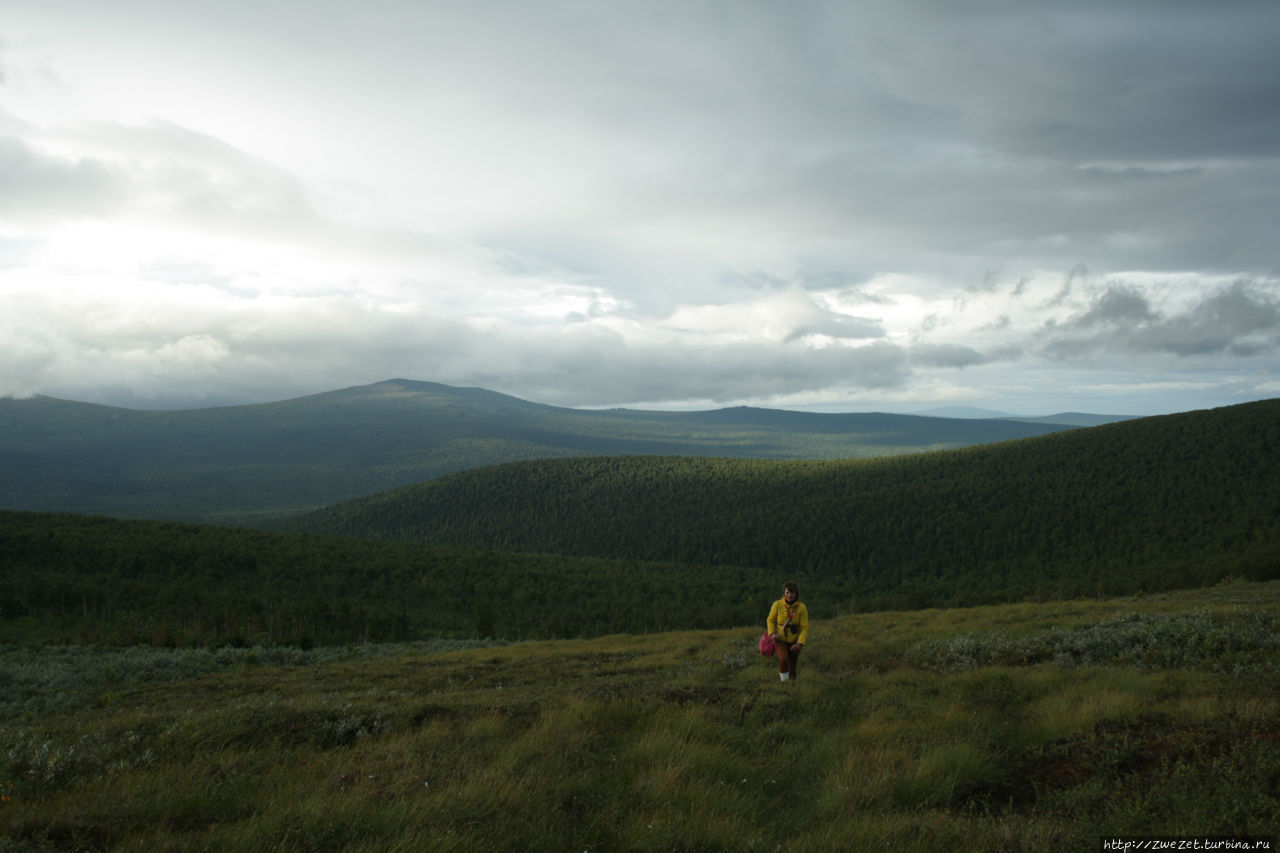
1235 643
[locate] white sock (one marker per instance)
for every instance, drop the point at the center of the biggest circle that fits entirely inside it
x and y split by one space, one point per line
782 676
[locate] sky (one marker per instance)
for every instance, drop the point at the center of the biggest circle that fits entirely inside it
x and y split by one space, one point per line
893 205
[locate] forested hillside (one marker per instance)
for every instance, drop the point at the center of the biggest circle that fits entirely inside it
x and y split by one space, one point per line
1154 503
237 464
118 582
582 547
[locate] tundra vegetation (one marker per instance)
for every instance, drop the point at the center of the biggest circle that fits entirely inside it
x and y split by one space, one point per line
1027 726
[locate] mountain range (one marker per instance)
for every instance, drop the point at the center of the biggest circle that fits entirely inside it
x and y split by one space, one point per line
239 464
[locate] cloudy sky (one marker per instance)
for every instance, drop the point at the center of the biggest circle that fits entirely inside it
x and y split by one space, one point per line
1030 207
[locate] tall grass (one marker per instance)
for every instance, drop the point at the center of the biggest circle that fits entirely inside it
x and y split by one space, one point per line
930 730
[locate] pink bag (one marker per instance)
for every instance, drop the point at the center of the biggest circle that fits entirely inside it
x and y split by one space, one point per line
766 645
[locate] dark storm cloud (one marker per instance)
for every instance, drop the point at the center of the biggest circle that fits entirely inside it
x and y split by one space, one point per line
1134 135
1242 319
1239 320
946 355
1119 304
1136 80
905 134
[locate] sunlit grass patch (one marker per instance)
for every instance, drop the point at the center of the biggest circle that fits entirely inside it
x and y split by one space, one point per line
863 778
1065 704
949 775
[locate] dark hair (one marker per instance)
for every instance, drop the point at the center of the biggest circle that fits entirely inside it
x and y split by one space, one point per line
791 586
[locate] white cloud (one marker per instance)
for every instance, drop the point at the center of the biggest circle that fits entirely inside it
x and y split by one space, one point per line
779 317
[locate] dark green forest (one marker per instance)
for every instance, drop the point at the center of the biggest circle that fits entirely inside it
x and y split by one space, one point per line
98 580
1155 503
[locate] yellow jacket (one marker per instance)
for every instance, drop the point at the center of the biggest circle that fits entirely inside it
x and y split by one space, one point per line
797 614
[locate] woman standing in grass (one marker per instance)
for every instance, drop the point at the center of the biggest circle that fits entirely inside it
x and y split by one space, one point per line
789 627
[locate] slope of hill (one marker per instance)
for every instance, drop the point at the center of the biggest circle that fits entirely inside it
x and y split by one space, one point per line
232 464
1017 728
67 578
1153 503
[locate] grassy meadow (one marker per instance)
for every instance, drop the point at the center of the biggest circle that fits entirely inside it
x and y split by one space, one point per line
1015 727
